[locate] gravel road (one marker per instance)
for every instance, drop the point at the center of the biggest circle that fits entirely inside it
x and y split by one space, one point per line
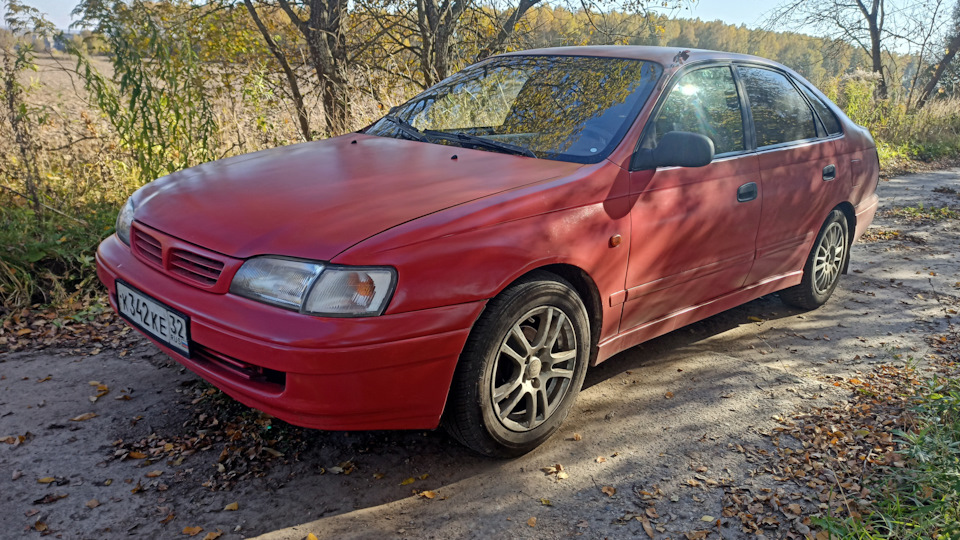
659 424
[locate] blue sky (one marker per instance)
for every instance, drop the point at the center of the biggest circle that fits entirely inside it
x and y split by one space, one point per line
734 12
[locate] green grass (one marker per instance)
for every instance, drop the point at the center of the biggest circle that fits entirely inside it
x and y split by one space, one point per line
50 260
921 499
920 212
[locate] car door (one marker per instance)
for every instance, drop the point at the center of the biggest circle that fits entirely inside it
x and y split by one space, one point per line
693 229
798 171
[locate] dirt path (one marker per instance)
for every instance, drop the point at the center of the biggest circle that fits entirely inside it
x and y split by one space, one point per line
659 424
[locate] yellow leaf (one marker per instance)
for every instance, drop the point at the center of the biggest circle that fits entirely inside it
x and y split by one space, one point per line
153 474
601 459
192 531
213 535
232 506
84 416
532 522
755 319
311 536
40 526
24 331
707 518
424 476
137 455
407 482
47 480
576 437
379 475
546 502
609 490
668 395
428 494
561 475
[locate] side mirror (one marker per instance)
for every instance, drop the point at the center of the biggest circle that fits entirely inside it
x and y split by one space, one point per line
677 149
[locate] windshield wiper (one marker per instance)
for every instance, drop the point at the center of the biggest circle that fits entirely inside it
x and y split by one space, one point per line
465 139
406 128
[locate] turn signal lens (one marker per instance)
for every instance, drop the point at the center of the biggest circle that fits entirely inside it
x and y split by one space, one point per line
346 291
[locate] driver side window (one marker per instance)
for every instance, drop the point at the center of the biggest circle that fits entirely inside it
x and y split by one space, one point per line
704 101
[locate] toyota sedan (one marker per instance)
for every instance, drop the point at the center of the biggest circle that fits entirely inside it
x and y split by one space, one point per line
464 260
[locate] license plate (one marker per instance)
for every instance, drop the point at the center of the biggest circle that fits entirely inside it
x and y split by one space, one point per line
154 318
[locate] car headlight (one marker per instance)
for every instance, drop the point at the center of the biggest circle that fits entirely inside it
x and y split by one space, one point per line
315 288
125 221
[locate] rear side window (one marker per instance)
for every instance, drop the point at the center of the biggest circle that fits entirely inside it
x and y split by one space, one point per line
705 101
780 114
829 119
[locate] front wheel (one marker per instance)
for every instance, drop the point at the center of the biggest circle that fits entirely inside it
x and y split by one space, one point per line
521 368
824 265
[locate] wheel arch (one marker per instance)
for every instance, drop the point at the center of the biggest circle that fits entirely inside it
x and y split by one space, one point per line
850 213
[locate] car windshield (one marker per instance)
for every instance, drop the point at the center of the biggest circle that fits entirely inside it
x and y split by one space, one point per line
570 108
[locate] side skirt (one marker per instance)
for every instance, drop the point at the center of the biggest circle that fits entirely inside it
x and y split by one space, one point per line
683 317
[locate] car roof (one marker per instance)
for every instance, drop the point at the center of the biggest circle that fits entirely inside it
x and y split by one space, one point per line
668 57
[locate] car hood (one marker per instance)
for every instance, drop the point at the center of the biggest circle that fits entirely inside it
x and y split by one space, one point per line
315 200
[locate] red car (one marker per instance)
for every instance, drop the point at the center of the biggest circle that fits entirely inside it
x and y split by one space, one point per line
463 260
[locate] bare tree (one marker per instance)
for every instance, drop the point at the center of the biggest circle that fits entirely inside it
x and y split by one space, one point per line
859 21
288 72
940 67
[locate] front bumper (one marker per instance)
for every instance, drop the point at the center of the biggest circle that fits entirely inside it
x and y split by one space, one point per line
386 372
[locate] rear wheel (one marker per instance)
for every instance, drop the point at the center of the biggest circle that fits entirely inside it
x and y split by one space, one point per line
521 369
826 261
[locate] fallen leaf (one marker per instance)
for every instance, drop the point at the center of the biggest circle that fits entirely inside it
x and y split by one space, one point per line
49 498
668 395
601 459
93 503
153 474
424 476
754 319
213 535
408 481
576 437
192 531
136 455
311 536
232 506
609 490
84 416
40 526
46 480
379 475
167 519
546 502
428 494
696 535
31 512
137 488
532 522
562 475
652 513
646 526
707 518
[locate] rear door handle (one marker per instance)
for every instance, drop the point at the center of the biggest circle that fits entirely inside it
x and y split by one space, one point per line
747 192
829 173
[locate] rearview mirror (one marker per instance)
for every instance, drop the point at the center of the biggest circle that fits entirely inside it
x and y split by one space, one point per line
677 149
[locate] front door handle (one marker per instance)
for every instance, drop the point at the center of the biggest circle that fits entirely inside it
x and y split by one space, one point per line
829 173
747 192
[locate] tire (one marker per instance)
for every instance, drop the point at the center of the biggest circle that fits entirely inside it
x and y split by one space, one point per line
827 260
507 396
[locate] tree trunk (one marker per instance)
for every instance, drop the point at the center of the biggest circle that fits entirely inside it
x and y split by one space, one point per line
874 16
326 39
287 71
942 66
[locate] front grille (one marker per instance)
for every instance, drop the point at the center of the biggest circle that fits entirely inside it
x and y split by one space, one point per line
148 247
203 270
272 379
